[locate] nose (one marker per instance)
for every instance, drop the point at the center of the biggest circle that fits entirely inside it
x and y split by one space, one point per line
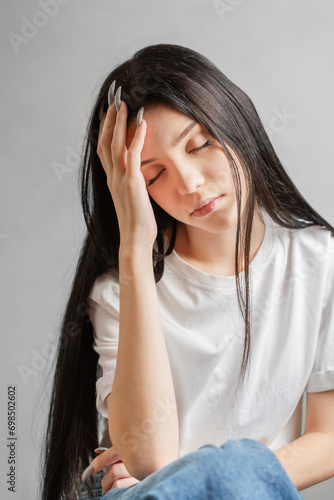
188 177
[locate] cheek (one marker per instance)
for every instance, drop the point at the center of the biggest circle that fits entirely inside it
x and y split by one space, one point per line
164 200
159 198
218 162
218 171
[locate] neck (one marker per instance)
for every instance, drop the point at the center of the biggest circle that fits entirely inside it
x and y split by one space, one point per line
214 252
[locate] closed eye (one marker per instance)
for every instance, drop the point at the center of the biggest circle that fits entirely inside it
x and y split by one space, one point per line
150 182
208 143
196 150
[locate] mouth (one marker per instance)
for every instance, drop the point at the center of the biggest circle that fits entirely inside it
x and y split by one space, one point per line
206 206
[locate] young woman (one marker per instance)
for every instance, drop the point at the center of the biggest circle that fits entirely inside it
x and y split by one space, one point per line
209 279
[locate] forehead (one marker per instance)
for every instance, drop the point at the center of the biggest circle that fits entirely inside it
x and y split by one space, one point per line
163 124
162 111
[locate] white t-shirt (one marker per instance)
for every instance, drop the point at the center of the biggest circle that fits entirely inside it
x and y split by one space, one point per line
292 339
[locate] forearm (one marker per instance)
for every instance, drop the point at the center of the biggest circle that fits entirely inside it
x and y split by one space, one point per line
143 423
308 460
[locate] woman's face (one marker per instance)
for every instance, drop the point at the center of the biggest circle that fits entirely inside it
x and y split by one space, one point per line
185 168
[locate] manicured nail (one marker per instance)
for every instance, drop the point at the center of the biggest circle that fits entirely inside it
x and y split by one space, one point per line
111 92
118 98
140 116
101 449
87 472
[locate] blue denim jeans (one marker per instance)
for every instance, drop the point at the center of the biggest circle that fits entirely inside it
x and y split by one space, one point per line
241 469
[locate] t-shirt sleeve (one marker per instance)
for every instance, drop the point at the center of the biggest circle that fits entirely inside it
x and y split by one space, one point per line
104 316
322 375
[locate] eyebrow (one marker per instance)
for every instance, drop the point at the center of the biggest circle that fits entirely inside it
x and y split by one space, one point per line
179 138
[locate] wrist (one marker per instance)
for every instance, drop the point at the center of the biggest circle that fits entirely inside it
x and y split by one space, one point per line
132 252
135 265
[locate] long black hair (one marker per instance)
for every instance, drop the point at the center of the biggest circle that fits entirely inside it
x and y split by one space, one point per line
190 83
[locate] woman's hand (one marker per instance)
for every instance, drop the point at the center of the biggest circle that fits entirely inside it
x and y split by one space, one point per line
116 476
125 181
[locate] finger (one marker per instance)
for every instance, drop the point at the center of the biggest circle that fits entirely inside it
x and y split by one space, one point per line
120 483
136 147
100 450
105 459
124 481
110 122
99 149
106 129
114 473
118 144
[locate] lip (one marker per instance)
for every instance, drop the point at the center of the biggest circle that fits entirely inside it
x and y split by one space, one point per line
207 206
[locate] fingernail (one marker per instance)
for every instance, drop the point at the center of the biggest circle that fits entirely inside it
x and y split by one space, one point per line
87 472
140 116
111 92
100 449
118 98
103 492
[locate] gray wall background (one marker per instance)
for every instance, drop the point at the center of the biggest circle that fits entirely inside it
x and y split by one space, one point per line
280 53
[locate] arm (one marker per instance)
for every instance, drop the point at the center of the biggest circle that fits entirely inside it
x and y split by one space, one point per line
310 459
143 424
142 431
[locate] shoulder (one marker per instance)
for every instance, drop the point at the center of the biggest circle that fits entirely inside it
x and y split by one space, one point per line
316 241
315 246
307 254
314 238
